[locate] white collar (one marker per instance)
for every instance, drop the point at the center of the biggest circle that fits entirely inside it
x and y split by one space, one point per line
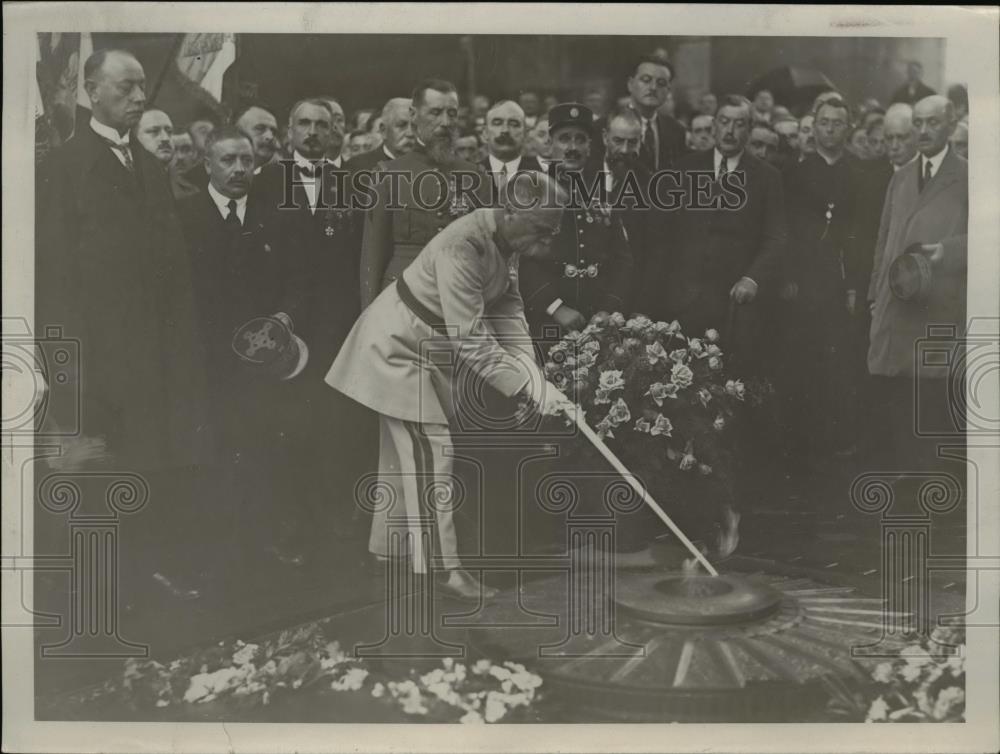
107 132
496 165
306 163
387 153
935 161
731 162
827 161
222 202
643 118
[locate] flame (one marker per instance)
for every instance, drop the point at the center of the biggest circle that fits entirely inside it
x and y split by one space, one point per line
729 537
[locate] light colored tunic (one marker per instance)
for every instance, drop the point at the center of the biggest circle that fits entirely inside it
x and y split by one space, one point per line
396 364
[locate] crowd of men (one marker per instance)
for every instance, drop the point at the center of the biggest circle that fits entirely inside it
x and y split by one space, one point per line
155 244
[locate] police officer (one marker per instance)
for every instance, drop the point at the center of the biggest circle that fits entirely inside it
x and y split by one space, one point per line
590 271
429 196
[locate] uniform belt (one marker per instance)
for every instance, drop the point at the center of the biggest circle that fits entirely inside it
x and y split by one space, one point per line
424 314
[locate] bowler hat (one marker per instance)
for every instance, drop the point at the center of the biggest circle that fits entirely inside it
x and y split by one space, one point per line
571 114
910 275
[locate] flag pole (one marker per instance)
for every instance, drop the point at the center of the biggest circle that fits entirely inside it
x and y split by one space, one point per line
611 458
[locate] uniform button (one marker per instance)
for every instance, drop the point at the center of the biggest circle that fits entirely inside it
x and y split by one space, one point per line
581 246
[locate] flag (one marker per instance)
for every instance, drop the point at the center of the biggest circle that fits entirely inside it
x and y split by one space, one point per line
204 59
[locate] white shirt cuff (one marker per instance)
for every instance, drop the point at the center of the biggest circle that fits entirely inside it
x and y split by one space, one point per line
551 309
747 277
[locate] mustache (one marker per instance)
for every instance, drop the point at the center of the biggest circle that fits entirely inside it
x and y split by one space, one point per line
573 154
505 139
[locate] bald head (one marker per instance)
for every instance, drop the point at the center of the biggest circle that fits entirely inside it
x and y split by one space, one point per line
396 128
933 122
532 214
116 85
900 139
505 130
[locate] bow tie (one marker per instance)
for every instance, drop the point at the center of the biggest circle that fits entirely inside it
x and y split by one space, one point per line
311 171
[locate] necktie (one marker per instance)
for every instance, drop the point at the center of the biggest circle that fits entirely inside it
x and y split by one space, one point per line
233 218
502 180
926 175
649 145
723 167
124 151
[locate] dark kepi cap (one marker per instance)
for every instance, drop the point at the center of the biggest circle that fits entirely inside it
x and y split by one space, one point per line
267 346
571 114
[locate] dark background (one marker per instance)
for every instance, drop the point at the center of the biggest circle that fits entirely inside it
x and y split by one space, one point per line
364 70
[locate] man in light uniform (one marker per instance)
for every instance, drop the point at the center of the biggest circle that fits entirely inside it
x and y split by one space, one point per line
459 298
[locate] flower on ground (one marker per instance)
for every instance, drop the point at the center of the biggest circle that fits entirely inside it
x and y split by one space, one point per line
714 363
947 700
711 335
713 350
878 710
696 347
643 425
617 319
704 396
719 423
678 355
688 462
352 680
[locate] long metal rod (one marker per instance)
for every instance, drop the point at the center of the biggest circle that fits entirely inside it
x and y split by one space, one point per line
611 458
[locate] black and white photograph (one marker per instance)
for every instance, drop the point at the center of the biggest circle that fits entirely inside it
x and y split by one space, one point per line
532 365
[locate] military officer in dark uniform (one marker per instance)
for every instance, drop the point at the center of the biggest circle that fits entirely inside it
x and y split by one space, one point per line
590 271
409 212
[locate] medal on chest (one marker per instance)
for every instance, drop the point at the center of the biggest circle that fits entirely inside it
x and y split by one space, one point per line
829 219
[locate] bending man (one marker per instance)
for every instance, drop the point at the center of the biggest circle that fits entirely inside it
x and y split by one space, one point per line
455 311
